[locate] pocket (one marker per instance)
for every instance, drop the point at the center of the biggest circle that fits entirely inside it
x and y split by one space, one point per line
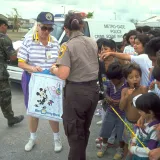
74 129
70 129
3 72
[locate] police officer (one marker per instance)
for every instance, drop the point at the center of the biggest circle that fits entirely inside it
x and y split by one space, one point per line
6 53
78 65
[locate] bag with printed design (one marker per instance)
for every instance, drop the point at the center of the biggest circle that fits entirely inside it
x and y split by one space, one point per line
45 96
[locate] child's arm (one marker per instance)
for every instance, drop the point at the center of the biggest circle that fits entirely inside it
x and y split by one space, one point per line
152 144
123 100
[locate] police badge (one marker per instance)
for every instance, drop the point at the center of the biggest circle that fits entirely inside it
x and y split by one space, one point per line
62 51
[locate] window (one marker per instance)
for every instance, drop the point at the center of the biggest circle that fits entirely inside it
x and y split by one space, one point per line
58 29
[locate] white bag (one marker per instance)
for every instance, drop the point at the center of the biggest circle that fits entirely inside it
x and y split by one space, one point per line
45 97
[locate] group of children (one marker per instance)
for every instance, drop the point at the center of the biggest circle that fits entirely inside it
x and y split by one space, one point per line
128 100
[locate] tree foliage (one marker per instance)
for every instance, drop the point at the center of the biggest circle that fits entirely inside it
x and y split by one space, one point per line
15 19
133 20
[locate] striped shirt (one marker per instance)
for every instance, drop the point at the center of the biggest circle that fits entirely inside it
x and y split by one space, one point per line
34 53
148 137
115 95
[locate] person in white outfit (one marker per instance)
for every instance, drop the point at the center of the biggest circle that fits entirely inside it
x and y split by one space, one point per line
130 40
37 53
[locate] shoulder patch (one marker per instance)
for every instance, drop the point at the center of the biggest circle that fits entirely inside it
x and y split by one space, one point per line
62 51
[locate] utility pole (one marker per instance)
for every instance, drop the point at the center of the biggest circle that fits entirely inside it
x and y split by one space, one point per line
63 9
115 16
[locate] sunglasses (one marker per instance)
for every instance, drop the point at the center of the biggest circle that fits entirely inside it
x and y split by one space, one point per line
44 28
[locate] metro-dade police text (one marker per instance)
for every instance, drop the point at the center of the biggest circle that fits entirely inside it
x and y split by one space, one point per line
114 31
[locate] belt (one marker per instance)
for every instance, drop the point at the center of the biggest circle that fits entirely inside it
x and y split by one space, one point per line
82 83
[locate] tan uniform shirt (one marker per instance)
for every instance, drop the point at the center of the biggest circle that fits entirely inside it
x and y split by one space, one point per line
80 55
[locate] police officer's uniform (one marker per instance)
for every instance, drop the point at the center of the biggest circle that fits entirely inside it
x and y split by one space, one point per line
81 91
6 50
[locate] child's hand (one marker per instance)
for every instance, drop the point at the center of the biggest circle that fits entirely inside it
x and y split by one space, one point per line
154 154
129 92
140 122
115 102
109 100
152 85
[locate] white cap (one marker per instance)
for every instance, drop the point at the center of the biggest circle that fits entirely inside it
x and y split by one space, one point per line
134 99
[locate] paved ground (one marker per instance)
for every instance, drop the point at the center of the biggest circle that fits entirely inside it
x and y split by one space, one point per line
17 35
12 140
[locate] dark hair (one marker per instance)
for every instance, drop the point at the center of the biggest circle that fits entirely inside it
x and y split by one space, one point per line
129 68
146 29
143 38
158 58
139 29
124 36
156 73
153 46
154 32
149 102
114 71
2 22
109 43
99 43
129 34
73 21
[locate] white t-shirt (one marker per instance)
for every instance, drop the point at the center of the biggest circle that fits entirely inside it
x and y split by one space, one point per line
145 64
130 50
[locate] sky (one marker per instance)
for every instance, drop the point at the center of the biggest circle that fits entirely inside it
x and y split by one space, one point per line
103 9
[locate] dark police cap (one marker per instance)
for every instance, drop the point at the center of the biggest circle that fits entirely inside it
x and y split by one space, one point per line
3 19
45 18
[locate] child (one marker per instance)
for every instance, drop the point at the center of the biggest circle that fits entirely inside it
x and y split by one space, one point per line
106 45
111 120
148 107
130 40
155 85
132 74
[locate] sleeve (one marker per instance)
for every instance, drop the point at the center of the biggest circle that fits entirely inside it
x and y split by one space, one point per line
125 50
139 151
137 59
23 53
150 80
8 47
64 56
153 142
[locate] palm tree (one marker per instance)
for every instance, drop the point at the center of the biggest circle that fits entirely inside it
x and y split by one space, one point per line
15 16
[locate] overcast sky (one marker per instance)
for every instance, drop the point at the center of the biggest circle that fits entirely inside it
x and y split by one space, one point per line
108 9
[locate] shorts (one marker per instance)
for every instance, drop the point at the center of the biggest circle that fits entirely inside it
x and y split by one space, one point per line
110 121
127 135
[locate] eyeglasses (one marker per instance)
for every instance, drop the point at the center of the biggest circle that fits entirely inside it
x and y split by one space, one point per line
44 28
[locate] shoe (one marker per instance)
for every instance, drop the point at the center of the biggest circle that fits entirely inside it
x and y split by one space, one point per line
102 151
99 122
29 146
99 140
57 145
119 154
97 114
15 120
110 145
99 145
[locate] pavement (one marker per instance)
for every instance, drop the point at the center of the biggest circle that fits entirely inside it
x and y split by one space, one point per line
13 140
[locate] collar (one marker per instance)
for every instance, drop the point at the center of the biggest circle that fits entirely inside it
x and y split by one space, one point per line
36 38
153 123
75 34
